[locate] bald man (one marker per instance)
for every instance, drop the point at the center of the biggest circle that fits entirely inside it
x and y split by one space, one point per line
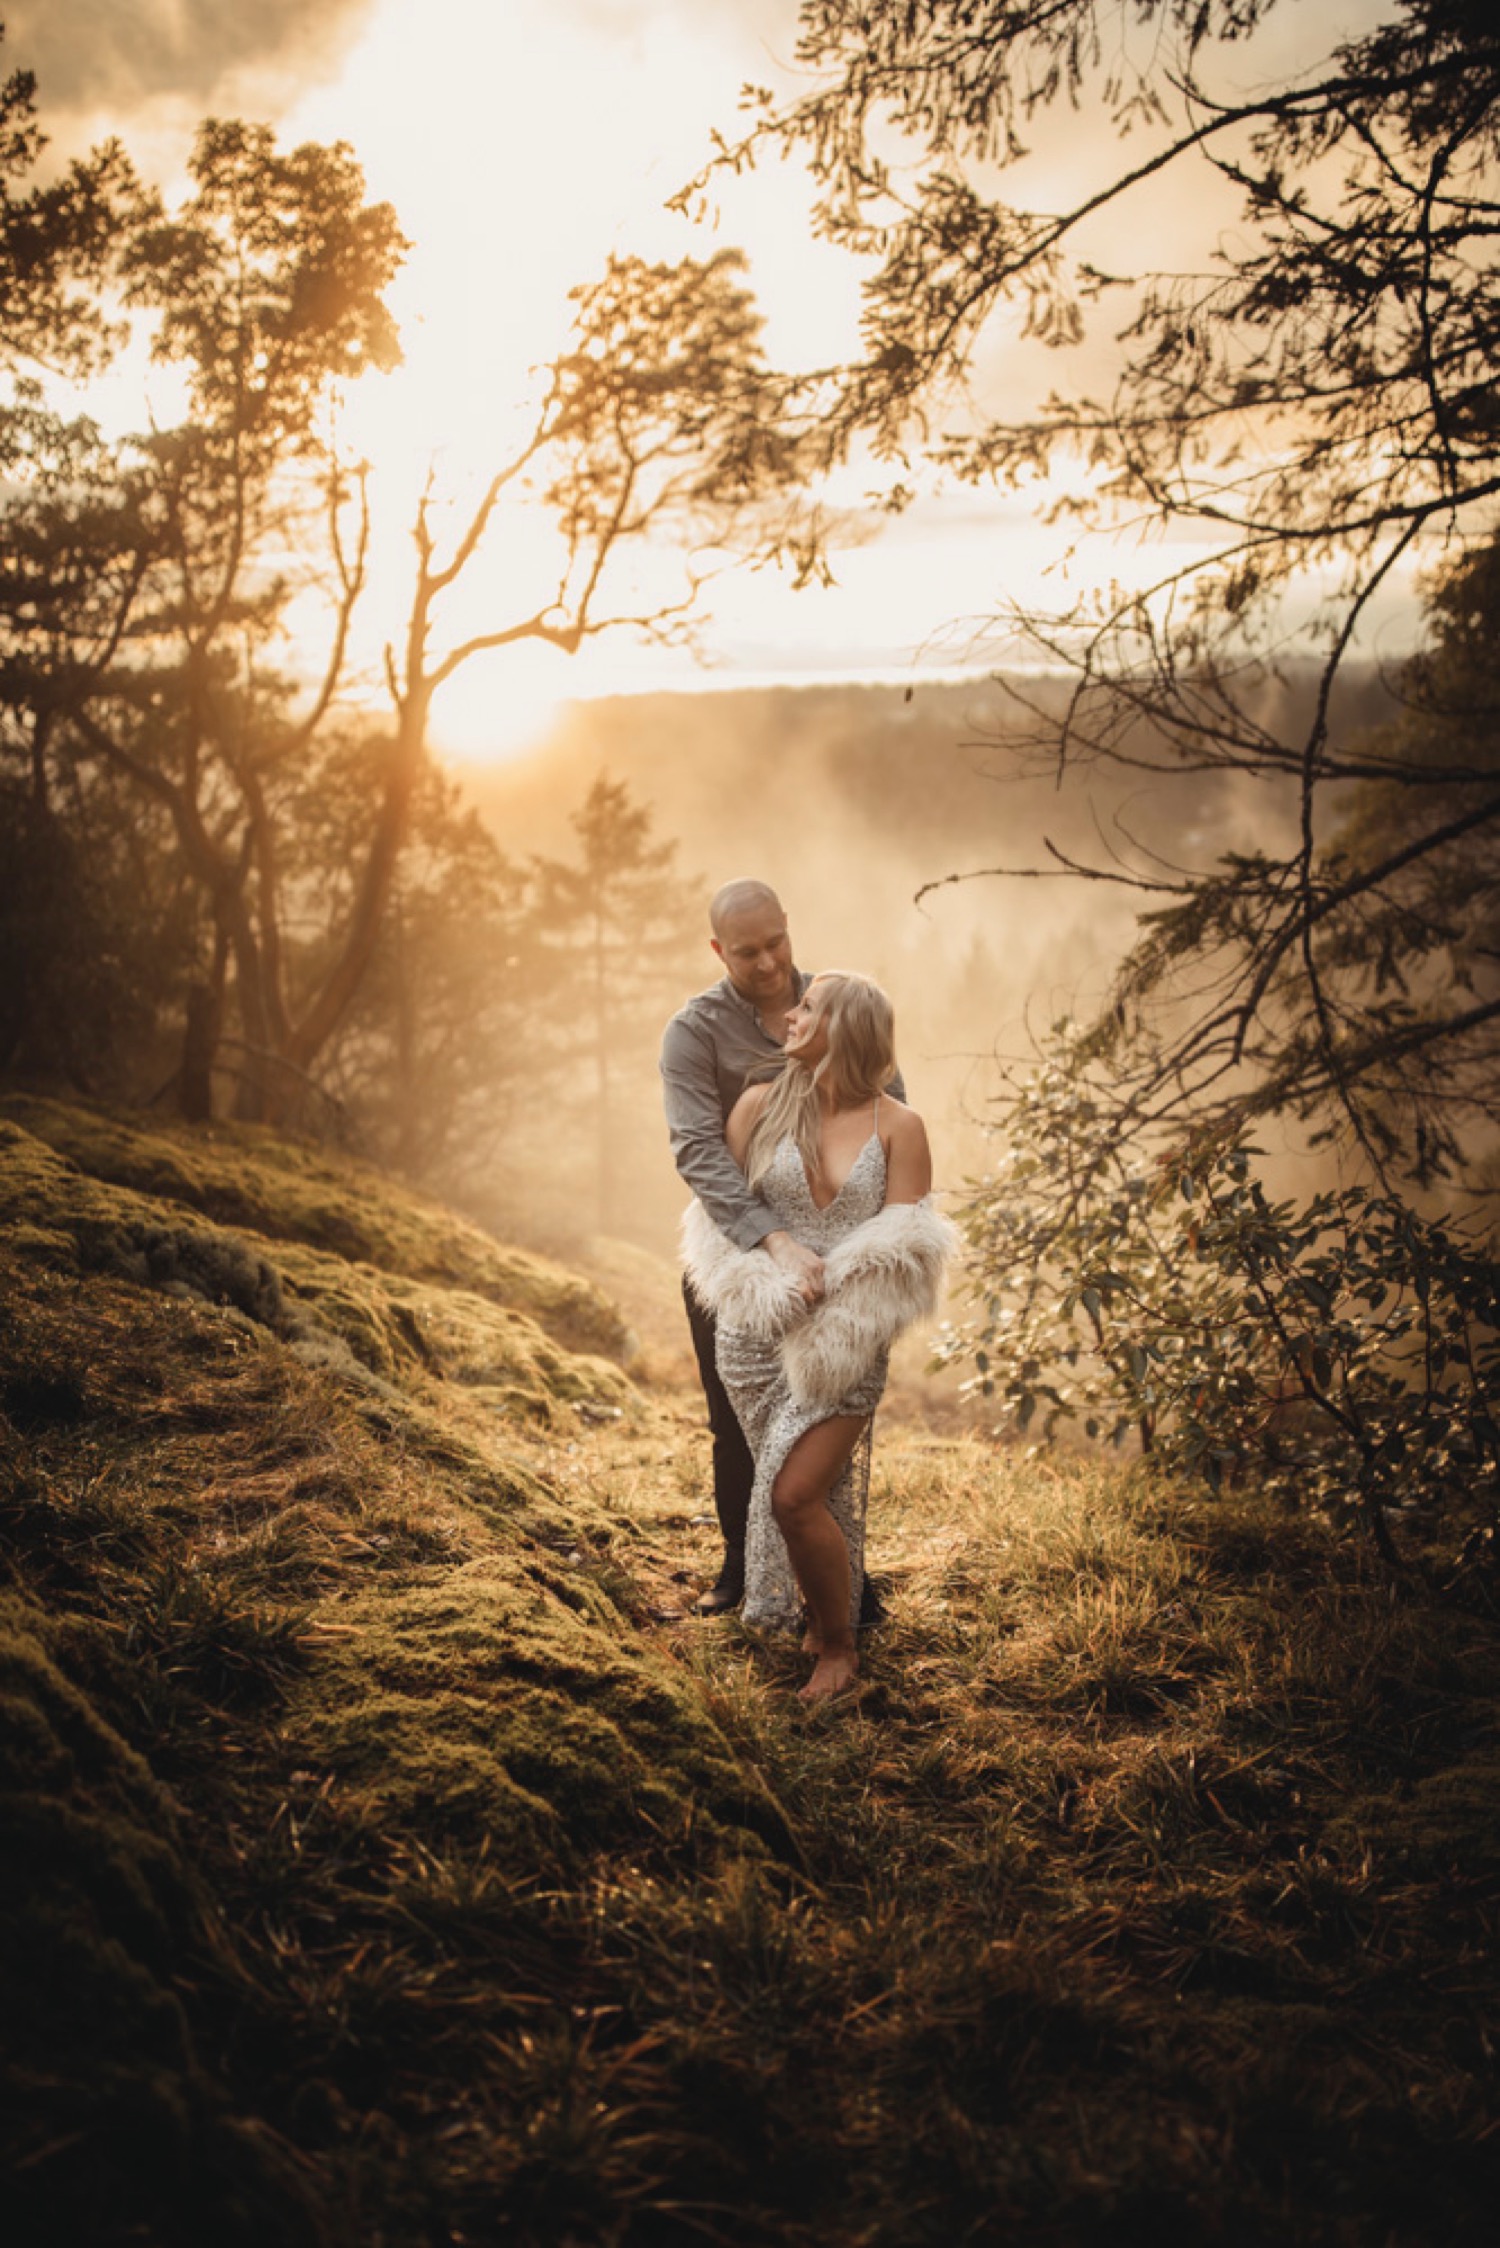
721 1041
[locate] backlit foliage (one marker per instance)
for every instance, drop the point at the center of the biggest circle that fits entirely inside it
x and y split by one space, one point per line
1341 1349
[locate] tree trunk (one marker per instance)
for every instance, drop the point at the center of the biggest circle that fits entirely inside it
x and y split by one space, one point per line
200 1043
408 1136
332 1000
201 1033
262 1092
605 1190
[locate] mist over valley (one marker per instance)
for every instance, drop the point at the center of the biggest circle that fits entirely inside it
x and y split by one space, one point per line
849 800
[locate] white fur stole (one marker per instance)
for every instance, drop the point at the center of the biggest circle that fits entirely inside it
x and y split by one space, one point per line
881 1277
743 1287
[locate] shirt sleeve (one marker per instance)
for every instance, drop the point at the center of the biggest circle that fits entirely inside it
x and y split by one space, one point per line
695 1124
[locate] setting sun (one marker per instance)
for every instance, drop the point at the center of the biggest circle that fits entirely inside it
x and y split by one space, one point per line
520 146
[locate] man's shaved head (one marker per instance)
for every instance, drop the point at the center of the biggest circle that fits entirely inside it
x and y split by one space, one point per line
750 937
743 896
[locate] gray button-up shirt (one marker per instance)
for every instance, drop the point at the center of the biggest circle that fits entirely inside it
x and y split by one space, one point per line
712 1049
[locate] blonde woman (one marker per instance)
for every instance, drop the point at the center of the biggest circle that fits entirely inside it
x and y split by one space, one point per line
846 1169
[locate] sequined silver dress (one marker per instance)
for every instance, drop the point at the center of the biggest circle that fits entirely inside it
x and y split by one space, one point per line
752 1373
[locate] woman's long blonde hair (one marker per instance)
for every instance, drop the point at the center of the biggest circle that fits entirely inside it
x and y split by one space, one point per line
858 1062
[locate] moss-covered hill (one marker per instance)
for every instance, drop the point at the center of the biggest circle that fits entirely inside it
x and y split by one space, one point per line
289 1547
385 1857
129 1177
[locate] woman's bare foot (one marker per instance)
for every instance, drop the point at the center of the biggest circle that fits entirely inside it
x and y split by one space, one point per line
833 1673
812 1640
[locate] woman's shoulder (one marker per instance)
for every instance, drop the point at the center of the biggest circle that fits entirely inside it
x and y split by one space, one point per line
753 1099
898 1121
743 1118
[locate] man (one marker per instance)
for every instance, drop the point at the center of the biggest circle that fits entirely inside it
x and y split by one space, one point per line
713 1047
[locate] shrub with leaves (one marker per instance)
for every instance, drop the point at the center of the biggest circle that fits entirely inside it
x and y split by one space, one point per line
1346 1348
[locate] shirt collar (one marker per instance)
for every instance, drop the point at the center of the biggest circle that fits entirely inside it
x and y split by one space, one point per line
748 1008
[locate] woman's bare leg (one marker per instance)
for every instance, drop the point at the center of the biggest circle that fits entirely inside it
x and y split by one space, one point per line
799 1501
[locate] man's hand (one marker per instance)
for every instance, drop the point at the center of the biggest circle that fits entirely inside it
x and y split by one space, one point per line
804 1264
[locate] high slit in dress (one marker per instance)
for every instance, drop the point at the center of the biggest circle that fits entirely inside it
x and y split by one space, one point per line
752 1373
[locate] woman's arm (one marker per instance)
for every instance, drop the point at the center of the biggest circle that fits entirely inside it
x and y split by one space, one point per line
908 1158
793 1256
695 1123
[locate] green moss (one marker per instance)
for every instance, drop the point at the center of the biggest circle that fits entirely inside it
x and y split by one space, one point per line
396 1326
44 1245
484 1707
337 1310
251 1577
111 2127
255 1181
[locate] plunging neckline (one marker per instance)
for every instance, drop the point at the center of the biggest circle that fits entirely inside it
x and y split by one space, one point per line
823 1208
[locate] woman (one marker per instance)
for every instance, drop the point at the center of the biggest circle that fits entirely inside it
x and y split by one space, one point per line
846 1169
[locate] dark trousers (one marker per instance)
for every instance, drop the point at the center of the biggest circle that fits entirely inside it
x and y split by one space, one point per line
734 1469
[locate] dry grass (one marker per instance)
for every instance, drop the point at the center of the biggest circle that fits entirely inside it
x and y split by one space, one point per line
390 1856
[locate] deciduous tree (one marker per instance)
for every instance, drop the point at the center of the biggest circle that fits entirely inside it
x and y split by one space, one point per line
161 579
1301 396
59 239
1307 397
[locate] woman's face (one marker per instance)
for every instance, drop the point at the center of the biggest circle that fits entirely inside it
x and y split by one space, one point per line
806 1031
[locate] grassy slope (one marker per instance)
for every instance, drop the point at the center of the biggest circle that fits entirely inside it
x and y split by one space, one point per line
243 1177
386 1858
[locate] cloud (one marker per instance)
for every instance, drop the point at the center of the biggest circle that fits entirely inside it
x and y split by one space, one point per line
97 54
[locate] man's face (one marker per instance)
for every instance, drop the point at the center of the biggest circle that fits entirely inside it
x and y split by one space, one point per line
757 952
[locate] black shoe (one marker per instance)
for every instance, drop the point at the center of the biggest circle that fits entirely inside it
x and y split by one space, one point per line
871 1605
726 1594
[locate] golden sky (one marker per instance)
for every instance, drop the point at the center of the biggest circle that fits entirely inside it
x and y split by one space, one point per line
521 141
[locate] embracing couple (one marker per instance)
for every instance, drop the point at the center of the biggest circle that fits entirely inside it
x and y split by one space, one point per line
810 1244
